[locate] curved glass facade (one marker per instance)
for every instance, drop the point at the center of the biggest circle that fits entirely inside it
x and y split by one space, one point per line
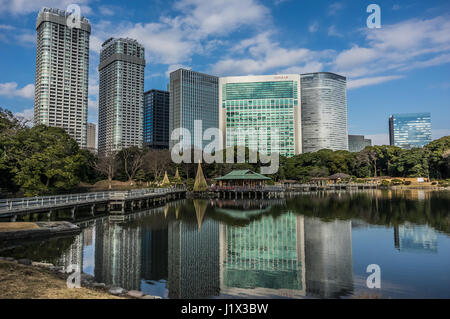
324 112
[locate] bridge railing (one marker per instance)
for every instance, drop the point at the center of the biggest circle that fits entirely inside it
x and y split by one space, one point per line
13 203
249 189
10 204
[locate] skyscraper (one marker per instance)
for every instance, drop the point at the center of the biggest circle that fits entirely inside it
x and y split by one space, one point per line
261 102
410 130
193 96
91 137
324 111
62 67
357 143
156 119
121 98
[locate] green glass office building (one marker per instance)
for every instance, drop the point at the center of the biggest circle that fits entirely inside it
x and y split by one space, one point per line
261 103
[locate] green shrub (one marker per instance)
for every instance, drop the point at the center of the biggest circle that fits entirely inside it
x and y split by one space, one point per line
385 182
407 183
397 182
190 184
434 183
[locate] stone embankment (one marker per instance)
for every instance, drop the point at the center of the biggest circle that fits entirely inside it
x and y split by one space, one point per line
37 230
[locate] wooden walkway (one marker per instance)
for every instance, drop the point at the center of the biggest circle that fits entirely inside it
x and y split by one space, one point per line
11 208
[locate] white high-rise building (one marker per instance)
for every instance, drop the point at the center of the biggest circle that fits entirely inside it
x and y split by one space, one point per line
324 112
121 98
62 73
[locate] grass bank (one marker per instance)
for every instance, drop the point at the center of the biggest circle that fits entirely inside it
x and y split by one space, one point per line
27 282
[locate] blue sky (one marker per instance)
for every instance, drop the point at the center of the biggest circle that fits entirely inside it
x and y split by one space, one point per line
402 67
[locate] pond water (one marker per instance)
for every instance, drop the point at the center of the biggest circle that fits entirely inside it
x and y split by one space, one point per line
315 245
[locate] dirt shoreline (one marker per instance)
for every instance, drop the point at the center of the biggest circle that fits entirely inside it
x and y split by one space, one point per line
33 282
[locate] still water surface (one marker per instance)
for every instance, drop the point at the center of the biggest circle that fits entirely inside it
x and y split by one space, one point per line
312 245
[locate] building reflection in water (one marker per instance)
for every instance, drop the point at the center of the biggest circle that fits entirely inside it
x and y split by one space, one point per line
328 255
197 256
264 258
118 252
194 256
73 256
415 238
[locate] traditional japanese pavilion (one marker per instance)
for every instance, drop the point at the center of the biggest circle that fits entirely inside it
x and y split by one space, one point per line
242 178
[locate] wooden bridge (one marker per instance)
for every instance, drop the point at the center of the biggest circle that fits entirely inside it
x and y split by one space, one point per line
115 202
317 187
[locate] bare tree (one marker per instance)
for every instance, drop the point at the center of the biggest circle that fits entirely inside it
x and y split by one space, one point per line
133 160
107 165
157 162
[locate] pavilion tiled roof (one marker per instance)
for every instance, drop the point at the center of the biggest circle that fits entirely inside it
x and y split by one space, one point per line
242 175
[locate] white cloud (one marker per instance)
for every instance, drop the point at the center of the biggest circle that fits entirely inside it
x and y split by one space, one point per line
174 67
262 54
20 7
26 116
92 105
333 32
220 17
357 83
307 68
6 27
403 46
195 30
107 10
334 8
10 89
313 27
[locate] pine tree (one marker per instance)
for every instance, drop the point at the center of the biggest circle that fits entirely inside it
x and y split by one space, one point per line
166 181
200 184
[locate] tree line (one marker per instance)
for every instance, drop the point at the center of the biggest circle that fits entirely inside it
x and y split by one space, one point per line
432 161
45 160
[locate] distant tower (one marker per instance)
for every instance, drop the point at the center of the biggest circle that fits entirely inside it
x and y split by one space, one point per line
410 130
62 73
357 143
156 119
324 112
121 99
91 137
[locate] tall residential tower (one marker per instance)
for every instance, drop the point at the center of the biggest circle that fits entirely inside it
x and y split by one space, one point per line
62 73
324 112
121 98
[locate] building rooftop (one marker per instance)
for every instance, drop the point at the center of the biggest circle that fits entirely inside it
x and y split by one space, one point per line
242 175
